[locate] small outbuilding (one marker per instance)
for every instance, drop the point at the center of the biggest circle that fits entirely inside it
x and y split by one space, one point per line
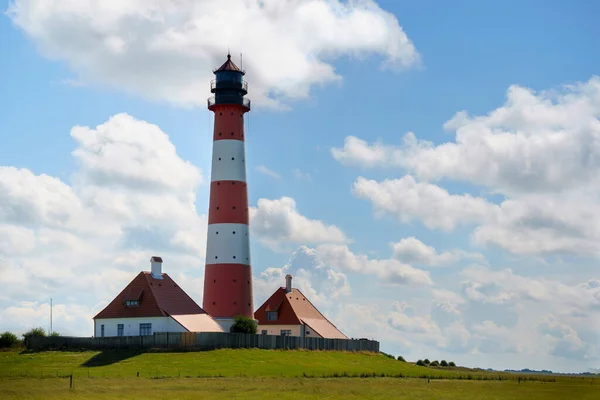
152 302
289 313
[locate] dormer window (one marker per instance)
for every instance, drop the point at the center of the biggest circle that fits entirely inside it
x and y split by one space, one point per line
271 315
132 303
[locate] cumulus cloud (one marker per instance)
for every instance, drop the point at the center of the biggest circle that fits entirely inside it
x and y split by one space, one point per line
277 224
130 196
388 270
538 150
166 50
566 341
412 251
408 199
318 281
535 142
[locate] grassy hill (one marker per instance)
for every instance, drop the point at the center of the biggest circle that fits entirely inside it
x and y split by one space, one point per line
260 374
227 362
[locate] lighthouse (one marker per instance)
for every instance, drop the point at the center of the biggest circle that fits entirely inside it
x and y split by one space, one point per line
228 272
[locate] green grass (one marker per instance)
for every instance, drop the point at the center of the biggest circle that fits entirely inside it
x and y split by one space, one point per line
260 374
293 388
245 362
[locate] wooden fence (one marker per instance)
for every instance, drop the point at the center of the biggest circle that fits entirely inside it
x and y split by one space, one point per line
200 341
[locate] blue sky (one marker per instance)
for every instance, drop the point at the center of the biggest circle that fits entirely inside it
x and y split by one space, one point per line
484 250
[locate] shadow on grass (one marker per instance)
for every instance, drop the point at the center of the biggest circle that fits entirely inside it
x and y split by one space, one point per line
108 357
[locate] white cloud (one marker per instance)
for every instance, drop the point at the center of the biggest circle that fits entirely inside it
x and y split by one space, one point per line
535 142
266 171
566 341
125 152
389 271
67 319
407 200
538 150
166 50
131 197
298 174
319 282
277 223
412 251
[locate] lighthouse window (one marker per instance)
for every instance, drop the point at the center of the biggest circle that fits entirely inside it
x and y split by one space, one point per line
234 232
219 158
216 257
233 207
231 133
220 133
234 257
232 158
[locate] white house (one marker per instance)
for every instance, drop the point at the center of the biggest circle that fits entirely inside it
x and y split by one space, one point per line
152 302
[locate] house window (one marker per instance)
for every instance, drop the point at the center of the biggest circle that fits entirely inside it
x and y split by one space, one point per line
145 329
264 332
132 303
271 315
119 329
286 332
102 330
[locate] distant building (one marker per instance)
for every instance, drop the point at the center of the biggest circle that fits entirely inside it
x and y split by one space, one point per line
152 302
289 312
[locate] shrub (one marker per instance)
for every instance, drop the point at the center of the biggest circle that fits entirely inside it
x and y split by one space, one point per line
426 361
54 334
435 363
400 358
388 355
451 364
8 339
35 332
243 324
444 363
421 363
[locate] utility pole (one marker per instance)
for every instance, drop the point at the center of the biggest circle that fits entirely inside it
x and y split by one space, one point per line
50 315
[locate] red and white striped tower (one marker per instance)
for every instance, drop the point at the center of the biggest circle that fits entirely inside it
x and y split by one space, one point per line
228 275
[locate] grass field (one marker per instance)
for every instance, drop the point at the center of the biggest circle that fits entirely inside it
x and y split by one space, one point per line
226 363
260 374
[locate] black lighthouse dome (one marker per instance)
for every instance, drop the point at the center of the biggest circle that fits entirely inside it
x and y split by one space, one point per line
229 86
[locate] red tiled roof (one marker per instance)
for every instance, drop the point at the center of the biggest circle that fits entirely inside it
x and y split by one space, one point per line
293 309
228 66
157 298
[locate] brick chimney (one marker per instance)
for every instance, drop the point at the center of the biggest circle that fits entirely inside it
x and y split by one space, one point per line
288 283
